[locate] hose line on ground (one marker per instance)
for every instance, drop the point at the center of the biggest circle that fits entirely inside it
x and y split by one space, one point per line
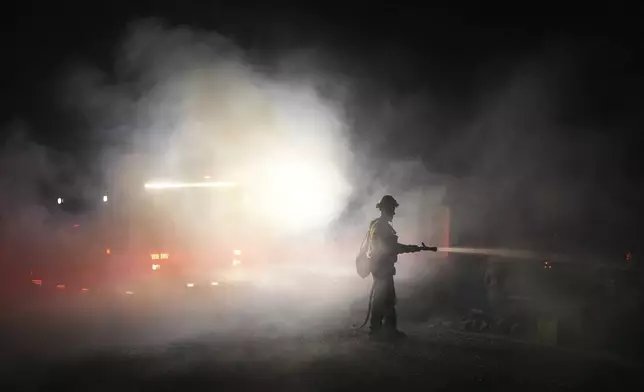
366 319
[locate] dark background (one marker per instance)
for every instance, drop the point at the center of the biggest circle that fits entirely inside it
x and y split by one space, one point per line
450 58
433 49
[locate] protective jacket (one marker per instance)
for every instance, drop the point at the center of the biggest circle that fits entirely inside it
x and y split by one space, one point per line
383 248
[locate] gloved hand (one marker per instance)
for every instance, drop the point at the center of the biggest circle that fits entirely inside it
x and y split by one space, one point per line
431 248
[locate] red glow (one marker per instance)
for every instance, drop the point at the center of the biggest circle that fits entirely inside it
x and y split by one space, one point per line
76 226
84 289
448 219
37 281
628 256
60 286
108 251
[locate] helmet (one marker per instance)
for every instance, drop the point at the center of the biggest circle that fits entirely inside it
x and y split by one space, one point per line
387 201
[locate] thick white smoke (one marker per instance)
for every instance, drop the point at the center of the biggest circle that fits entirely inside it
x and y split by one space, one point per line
203 109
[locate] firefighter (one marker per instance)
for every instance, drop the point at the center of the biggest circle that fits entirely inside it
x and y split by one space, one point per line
383 250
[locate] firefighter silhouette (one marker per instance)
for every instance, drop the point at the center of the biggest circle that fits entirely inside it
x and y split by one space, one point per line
383 250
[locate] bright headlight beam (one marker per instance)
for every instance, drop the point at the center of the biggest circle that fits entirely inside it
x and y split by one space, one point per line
175 185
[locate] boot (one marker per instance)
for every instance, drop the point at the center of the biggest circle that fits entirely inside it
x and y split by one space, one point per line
396 335
391 329
377 335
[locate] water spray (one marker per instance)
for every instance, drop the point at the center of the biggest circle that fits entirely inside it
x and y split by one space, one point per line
499 252
514 254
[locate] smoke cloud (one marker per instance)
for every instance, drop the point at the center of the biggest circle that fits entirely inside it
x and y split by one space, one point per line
196 106
314 147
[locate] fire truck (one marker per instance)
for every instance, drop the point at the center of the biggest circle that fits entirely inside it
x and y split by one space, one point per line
181 236
159 238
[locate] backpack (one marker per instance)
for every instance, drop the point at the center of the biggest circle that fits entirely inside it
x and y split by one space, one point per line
363 262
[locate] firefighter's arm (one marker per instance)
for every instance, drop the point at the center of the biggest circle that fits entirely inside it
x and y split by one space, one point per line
385 240
415 248
402 248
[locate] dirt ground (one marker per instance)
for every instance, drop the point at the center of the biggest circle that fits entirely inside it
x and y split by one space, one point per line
128 347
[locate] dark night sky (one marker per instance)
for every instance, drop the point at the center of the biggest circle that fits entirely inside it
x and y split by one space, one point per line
410 49
439 49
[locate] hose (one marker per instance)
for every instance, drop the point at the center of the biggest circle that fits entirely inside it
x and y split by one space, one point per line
366 319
